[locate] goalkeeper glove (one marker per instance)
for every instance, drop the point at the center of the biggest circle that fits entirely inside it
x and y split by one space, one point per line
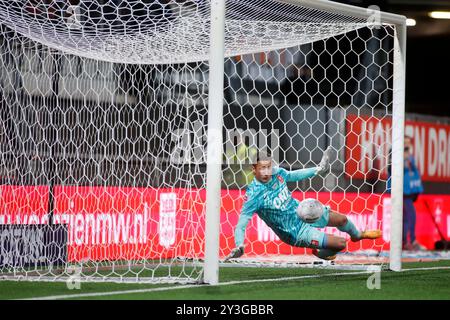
324 164
235 253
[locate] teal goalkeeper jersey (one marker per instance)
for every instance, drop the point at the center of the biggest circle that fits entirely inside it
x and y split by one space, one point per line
273 203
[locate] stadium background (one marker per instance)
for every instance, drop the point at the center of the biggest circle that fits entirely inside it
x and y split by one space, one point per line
427 112
426 106
129 139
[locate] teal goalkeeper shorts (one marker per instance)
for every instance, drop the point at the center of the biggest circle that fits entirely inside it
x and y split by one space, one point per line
309 236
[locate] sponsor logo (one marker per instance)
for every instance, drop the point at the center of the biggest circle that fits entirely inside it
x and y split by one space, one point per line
281 201
280 178
368 147
167 219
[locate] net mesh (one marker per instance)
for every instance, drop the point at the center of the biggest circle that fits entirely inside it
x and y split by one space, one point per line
104 120
161 32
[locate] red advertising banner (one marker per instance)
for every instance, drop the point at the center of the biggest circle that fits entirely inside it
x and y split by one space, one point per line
115 223
23 204
368 142
130 223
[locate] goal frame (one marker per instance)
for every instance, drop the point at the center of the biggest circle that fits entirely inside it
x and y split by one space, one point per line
215 123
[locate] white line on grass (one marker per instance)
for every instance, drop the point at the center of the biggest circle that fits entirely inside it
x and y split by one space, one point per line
98 294
110 293
426 268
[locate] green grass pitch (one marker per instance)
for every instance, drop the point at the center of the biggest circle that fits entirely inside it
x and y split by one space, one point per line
248 284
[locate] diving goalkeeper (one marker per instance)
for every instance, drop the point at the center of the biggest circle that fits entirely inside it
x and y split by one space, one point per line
269 197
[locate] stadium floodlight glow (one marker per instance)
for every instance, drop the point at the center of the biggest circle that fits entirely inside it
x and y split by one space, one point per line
410 22
439 14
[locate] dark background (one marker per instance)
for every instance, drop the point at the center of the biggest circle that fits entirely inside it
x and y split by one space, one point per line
126 151
427 53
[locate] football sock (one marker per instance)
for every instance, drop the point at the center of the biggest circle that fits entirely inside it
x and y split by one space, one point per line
351 229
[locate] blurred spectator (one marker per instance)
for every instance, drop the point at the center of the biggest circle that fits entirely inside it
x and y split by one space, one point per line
238 159
412 187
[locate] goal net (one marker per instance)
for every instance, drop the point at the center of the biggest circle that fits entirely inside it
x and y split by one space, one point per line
103 131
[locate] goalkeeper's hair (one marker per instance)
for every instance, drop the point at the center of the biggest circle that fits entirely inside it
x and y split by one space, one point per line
262 155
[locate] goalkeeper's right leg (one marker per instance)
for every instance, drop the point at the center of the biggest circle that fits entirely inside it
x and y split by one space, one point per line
327 244
331 246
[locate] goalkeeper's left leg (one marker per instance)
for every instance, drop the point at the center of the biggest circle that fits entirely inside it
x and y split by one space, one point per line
330 245
342 223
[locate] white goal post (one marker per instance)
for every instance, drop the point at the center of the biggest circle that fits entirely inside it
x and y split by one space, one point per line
218 12
127 127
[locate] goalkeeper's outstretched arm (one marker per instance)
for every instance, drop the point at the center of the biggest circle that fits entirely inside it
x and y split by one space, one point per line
301 174
239 237
239 232
249 207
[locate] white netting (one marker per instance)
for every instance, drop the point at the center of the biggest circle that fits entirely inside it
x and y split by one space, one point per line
158 32
104 117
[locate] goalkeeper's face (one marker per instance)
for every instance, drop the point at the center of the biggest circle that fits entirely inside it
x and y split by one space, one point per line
263 171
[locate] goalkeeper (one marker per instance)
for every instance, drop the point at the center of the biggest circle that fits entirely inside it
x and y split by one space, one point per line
268 196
